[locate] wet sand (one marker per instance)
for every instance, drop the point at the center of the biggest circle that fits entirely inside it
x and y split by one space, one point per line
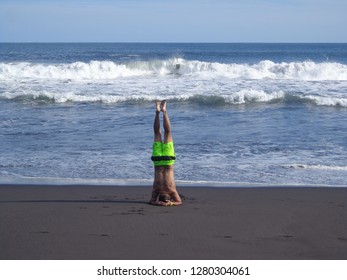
109 222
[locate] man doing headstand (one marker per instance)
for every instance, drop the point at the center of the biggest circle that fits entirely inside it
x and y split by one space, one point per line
164 189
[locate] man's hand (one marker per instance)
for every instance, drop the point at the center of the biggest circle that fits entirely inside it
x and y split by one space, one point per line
170 203
162 203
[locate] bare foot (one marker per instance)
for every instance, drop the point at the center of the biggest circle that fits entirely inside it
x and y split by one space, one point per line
158 106
163 106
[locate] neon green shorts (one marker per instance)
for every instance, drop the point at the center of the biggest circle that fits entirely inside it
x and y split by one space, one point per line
163 154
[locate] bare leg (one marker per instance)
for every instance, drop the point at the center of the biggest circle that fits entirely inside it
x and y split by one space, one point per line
156 126
166 123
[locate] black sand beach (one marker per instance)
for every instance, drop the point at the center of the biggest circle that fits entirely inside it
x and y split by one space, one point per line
106 222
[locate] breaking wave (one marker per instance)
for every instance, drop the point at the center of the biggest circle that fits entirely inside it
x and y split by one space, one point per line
96 70
242 97
176 79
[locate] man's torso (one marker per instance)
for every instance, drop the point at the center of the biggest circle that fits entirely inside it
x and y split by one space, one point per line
164 181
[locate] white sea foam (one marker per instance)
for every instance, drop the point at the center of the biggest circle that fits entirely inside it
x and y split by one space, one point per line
318 167
63 97
250 96
96 70
327 100
239 97
243 96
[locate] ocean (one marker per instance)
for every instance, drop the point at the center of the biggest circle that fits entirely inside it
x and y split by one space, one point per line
241 114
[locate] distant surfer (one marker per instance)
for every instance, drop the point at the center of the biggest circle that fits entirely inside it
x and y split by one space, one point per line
163 156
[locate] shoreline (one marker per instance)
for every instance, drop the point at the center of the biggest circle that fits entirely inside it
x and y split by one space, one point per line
105 222
49 181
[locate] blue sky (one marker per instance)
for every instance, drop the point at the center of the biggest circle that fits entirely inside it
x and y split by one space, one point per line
173 21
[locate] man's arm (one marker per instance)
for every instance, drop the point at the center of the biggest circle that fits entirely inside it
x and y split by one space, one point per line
176 199
166 203
160 203
154 198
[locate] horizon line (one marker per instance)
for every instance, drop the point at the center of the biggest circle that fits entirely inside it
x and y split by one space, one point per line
157 42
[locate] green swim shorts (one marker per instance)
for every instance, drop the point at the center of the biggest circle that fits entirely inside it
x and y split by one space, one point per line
163 154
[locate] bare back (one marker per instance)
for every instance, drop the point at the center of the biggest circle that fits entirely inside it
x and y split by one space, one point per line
164 181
